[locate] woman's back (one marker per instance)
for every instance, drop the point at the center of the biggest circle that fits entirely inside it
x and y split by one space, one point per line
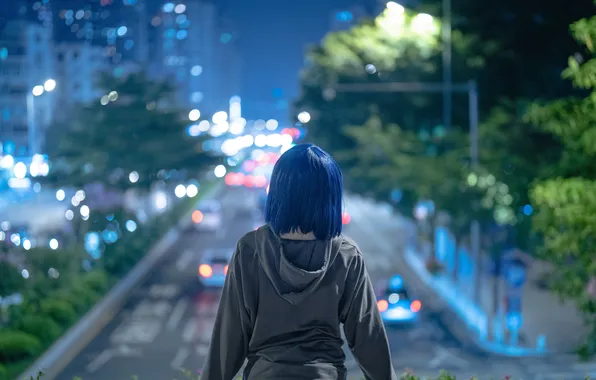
288 291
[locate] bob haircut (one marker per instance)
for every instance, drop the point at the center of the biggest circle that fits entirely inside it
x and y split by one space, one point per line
305 193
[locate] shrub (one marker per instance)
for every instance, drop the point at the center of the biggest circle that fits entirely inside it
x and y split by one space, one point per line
17 345
60 311
43 328
97 281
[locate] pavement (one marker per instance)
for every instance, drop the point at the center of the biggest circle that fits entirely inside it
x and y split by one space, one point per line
166 323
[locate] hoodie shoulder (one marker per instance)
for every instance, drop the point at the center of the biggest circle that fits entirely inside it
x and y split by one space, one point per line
247 242
348 248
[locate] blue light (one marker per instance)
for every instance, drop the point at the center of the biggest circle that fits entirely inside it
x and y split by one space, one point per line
131 225
193 130
181 34
344 16
122 30
226 38
170 33
168 7
129 44
527 210
181 19
3 53
396 282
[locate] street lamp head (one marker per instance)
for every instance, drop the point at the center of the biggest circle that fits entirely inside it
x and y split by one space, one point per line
49 85
37 90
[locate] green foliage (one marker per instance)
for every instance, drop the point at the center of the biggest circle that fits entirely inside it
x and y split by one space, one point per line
134 128
11 280
43 328
59 310
17 345
566 217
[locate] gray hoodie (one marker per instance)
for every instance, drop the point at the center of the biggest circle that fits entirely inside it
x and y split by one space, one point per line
281 308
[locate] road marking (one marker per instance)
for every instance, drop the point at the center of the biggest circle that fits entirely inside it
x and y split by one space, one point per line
202 349
179 359
164 291
152 309
177 314
99 361
184 260
441 355
190 330
137 331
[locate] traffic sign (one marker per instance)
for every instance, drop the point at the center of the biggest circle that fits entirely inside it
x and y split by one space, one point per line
515 274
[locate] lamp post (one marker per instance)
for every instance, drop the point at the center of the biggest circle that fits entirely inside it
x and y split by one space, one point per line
33 142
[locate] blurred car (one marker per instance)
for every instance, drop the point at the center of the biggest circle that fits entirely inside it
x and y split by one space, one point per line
213 267
208 216
395 305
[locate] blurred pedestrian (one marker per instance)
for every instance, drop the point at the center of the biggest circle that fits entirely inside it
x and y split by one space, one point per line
292 282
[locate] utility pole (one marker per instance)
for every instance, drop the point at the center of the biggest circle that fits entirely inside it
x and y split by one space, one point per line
447 71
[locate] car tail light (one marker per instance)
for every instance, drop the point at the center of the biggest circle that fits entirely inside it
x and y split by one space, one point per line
226 269
345 218
415 306
205 270
197 216
383 305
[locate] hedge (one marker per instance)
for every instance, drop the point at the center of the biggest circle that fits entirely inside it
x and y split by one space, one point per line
51 307
407 375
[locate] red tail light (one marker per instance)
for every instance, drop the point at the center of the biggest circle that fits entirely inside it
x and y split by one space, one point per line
415 306
205 270
383 305
345 218
197 216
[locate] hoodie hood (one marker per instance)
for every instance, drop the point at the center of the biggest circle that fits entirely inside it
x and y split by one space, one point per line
296 268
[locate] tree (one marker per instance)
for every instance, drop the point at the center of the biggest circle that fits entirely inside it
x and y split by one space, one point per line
131 138
566 203
395 47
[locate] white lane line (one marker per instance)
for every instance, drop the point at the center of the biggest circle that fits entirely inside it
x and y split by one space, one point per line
184 260
99 361
177 314
190 330
179 359
443 355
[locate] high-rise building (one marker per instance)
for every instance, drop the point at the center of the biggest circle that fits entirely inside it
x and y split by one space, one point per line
229 65
119 26
27 108
190 46
78 66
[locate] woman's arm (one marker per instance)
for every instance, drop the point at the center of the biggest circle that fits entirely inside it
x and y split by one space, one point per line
231 331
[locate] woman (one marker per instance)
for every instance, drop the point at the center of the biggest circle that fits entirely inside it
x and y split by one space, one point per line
292 282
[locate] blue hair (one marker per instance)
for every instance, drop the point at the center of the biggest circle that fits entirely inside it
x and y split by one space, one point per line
305 193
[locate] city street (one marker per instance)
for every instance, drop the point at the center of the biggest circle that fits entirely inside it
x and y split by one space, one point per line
166 324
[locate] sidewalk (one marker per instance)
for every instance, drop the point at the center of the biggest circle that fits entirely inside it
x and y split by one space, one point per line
549 326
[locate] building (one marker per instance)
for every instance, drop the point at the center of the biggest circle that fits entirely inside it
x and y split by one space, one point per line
78 65
118 26
26 63
229 62
196 49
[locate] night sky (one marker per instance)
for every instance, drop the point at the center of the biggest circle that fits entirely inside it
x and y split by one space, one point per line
273 37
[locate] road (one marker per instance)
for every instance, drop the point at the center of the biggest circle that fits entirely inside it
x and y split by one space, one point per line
166 324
